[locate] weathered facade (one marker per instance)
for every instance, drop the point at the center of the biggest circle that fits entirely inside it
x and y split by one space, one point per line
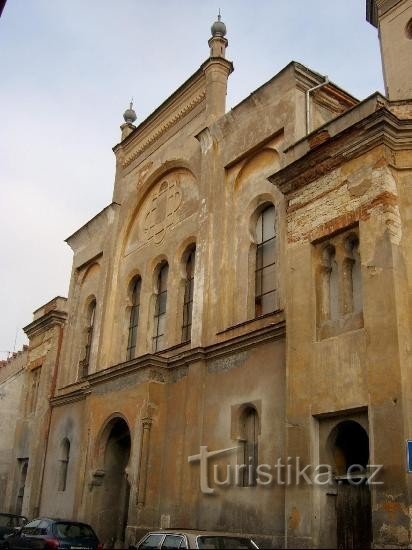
26 413
247 289
11 391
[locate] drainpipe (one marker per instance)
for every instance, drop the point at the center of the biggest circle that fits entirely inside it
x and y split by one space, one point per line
308 92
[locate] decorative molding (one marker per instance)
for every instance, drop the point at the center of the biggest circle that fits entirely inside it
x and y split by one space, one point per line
48 321
379 128
168 370
172 121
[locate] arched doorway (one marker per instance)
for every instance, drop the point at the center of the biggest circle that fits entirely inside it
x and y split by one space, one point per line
349 446
115 490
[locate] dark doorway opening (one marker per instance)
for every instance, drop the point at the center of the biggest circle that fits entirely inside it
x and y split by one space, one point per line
350 448
114 502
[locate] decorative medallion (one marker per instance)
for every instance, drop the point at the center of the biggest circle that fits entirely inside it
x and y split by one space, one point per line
162 209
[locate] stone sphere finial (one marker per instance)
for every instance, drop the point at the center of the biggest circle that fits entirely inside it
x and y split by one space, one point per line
130 114
218 27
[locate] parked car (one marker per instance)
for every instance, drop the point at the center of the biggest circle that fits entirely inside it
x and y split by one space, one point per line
187 538
8 524
53 534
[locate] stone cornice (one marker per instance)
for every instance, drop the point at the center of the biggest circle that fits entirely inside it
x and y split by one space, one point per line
375 9
159 131
323 150
72 241
307 78
183 101
48 321
160 368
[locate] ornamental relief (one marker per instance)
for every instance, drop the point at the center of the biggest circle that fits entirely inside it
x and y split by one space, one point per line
170 201
163 210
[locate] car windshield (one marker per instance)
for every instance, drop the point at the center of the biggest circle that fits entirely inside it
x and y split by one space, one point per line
73 530
224 542
11 521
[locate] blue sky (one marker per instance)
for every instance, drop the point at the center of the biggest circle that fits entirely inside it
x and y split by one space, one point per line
68 70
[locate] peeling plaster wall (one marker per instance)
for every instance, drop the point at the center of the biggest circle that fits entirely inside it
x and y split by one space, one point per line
12 377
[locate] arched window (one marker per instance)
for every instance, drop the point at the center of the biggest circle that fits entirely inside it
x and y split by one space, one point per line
249 447
159 334
265 271
64 464
91 314
134 318
188 298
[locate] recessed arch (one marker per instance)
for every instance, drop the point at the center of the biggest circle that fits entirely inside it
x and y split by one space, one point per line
155 265
64 463
92 271
348 445
168 196
112 502
103 436
261 165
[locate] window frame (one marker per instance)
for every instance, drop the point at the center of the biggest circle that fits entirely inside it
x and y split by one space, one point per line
160 309
262 245
64 464
190 264
134 318
91 320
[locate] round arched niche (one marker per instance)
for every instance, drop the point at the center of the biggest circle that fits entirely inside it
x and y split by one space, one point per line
260 166
171 199
348 445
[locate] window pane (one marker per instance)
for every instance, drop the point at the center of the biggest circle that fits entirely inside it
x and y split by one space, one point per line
161 323
189 320
162 299
186 333
258 283
268 279
163 278
92 312
134 316
159 343
187 292
73 530
172 541
152 541
269 252
132 337
224 542
268 302
268 223
191 285
185 315
136 293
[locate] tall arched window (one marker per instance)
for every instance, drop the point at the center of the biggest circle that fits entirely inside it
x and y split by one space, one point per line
188 298
91 314
134 318
249 454
265 271
64 464
159 334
